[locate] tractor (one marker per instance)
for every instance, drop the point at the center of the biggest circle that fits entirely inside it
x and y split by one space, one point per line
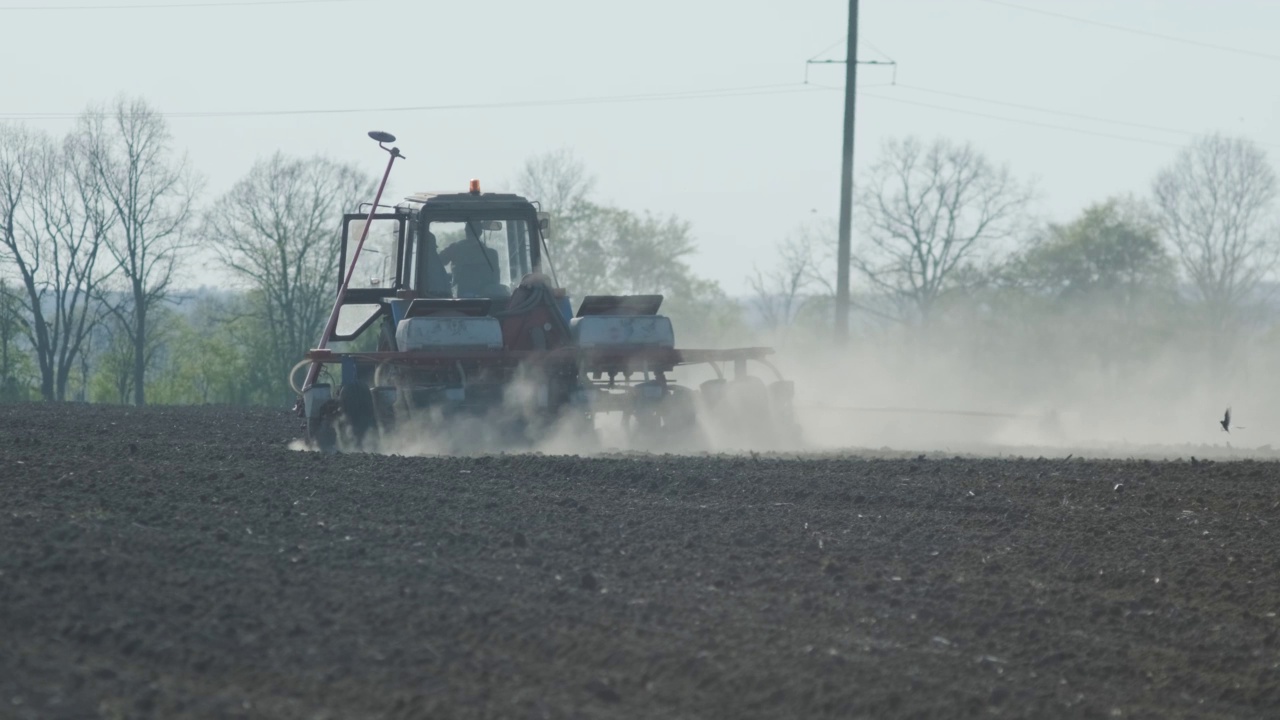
456 332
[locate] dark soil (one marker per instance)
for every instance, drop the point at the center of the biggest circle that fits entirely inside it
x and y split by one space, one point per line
186 563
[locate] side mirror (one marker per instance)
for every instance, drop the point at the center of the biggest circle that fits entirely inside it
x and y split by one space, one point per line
544 224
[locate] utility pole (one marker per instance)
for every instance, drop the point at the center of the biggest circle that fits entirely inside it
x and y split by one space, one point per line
843 251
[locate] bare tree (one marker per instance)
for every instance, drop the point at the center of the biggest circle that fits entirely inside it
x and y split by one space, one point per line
601 249
279 229
928 214
18 150
597 248
1216 202
71 210
55 230
779 293
559 182
151 191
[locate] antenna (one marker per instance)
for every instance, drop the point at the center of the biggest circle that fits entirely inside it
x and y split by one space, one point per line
383 138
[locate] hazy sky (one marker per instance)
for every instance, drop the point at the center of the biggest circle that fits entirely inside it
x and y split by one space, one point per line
745 169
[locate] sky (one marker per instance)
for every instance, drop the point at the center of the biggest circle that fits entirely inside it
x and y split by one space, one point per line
697 108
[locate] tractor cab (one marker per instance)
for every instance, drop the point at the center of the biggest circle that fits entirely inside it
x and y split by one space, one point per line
456 255
471 245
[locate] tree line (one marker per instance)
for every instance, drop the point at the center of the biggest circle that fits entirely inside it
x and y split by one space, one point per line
950 255
100 228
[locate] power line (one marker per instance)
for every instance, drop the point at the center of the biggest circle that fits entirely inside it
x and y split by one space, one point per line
591 100
1064 113
167 6
823 51
1032 123
1049 111
1136 31
871 45
745 91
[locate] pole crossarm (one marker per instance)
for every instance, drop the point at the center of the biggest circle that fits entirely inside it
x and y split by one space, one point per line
842 62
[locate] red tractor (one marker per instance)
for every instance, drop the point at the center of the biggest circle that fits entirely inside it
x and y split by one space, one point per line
455 333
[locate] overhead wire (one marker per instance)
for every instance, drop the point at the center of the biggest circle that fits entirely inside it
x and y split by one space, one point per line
828 48
1135 31
743 91
1050 111
729 92
1064 113
170 5
882 53
1019 121
1005 118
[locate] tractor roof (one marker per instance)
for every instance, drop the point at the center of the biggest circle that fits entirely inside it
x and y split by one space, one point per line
466 201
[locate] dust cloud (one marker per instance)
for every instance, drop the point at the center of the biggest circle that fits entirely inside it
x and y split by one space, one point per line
964 388
517 425
966 392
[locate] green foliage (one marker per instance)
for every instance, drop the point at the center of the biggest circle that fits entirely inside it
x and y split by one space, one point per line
1095 294
214 351
599 249
112 380
637 254
278 231
703 315
17 369
1112 252
202 362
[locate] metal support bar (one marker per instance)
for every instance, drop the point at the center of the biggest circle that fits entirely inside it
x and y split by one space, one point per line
332 324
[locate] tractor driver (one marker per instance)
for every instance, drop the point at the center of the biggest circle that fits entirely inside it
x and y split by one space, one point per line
475 266
438 282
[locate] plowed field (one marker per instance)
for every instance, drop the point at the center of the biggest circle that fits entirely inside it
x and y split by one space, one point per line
186 563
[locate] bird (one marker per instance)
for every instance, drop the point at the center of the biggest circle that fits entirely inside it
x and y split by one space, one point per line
1226 421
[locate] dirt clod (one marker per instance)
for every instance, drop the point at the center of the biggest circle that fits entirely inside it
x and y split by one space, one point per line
603 691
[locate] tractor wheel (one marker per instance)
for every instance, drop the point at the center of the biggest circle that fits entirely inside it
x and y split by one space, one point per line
670 423
322 433
358 409
749 412
645 427
713 393
680 419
